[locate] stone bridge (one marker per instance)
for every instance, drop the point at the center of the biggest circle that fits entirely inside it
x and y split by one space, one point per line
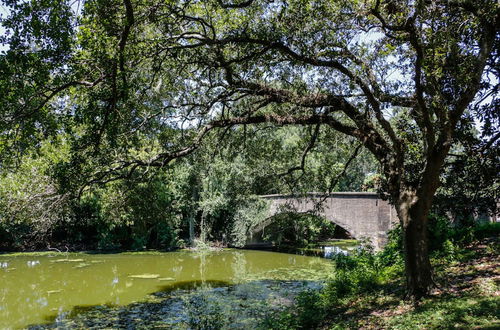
364 215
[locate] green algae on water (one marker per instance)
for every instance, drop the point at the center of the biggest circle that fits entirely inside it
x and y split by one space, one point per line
98 279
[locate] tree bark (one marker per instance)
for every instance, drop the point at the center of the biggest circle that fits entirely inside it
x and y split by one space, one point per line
413 213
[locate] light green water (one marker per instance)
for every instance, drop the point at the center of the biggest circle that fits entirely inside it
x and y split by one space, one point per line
36 288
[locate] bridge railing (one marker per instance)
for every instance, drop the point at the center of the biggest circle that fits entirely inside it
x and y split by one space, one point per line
315 194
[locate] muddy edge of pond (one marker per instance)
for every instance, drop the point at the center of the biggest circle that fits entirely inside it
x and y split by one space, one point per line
316 246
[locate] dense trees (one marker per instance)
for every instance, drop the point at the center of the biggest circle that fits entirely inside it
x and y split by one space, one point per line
210 195
137 84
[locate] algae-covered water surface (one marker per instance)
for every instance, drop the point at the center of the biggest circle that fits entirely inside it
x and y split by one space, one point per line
39 288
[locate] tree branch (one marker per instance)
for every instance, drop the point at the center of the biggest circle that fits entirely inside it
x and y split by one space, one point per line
309 147
335 180
235 5
129 12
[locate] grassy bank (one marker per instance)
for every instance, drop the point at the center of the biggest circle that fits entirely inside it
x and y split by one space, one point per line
366 294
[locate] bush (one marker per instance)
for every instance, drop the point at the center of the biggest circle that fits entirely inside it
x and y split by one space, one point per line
310 309
440 231
308 312
15 236
445 238
361 272
487 230
285 320
392 254
354 274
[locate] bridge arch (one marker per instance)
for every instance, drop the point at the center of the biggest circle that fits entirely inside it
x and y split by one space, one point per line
364 215
269 223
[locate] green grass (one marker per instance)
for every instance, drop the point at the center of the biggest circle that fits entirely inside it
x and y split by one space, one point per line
447 313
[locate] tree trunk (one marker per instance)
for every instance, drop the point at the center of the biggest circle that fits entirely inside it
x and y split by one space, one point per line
191 229
413 213
413 206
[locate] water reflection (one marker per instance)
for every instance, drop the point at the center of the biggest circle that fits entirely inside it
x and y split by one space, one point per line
332 251
31 290
33 263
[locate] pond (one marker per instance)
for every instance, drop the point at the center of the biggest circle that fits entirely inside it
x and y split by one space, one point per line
39 288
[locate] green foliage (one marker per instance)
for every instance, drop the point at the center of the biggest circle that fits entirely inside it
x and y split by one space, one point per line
372 183
298 229
365 273
446 238
137 215
247 216
360 279
15 236
30 205
308 313
484 230
361 273
138 84
286 320
36 43
35 212
470 181
309 309
392 254
140 212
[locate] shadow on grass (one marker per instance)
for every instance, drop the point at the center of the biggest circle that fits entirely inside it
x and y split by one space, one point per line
467 298
443 313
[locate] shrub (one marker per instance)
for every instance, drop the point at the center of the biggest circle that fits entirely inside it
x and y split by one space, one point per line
354 274
361 272
487 230
285 320
310 309
392 254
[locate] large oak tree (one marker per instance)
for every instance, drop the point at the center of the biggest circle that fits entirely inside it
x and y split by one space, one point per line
397 76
